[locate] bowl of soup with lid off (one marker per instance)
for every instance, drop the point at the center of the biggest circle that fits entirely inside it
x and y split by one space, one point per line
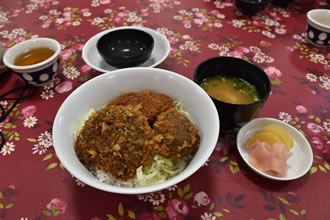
237 87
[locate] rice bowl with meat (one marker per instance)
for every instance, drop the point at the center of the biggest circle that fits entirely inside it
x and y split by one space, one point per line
99 91
136 140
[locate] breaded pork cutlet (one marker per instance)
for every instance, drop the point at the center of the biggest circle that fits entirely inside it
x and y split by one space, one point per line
174 136
152 103
116 140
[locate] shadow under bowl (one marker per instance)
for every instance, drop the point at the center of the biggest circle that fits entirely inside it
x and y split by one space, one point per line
125 47
235 115
251 7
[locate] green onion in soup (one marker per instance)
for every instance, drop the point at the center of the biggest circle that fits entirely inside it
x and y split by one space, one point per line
230 89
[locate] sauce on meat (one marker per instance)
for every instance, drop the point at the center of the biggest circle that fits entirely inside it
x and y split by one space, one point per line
132 128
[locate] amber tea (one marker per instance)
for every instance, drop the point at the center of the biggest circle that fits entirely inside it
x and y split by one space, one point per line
33 56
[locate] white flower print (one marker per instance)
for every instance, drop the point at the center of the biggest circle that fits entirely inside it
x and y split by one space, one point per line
97 21
194 48
318 57
172 188
221 16
144 197
95 4
71 72
160 30
183 47
218 25
187 25
268 34
4 104
108 10
326 126
297 37
54 12
185 37
45 25
46 137
270 22
206 163
47 94
213 46
269 59
238 24
189 43
156 198
208 216
40 148
76 23
285 117
87 14
254 49
223 50
311 77
259 58
30 121
178 17
79 182
57 80
7 149
326 85
49 85
19 31
324 79
43 17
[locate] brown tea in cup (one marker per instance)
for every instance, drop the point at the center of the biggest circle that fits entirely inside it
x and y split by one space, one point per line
33 56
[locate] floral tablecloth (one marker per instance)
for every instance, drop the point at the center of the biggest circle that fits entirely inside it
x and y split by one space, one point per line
34 184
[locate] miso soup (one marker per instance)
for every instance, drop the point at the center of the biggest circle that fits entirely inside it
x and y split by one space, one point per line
33 56
231 90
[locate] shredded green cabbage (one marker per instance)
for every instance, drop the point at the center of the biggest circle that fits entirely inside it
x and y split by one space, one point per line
179 107
159 170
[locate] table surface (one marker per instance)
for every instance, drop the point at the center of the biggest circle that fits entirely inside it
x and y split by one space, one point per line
34 185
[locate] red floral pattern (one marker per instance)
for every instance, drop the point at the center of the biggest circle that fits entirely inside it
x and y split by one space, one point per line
35 185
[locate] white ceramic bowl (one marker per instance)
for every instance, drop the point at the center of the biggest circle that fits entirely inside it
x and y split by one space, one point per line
40 73
302 155
318 27
98 91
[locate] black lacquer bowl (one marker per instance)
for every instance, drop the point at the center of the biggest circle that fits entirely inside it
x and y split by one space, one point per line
125 47
235 115
251 7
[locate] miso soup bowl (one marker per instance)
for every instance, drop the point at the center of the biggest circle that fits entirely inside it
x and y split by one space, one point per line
38 74
235 115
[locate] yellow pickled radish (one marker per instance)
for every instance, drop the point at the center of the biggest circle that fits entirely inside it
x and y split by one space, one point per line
267 137
272 134
281 133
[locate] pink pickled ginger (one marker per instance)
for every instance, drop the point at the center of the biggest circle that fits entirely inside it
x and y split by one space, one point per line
269 159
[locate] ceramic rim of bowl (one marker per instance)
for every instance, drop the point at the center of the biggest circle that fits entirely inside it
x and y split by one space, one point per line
14 51
314 22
